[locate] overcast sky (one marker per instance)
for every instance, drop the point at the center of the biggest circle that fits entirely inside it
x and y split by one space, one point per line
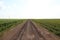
30 9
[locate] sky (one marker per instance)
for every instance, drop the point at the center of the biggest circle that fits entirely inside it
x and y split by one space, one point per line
30 9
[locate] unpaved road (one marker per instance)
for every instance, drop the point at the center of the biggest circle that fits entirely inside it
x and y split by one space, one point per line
29 31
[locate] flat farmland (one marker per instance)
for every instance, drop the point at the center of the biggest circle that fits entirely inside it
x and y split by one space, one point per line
7 23
28 29
53 25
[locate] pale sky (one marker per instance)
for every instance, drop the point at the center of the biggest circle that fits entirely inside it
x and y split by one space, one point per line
29 9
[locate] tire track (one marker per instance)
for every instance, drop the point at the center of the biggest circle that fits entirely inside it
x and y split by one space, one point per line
36 32
28 32
20 33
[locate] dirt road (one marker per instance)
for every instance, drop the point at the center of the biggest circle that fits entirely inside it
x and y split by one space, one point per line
29 31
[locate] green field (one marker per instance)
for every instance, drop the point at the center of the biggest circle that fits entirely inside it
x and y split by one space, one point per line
8 23
52 25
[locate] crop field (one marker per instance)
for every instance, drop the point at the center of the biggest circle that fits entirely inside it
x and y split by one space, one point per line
28 29
53 25
7 23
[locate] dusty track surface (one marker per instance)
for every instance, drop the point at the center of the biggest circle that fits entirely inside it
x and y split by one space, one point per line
29 31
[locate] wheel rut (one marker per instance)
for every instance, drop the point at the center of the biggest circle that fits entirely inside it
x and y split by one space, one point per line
28 32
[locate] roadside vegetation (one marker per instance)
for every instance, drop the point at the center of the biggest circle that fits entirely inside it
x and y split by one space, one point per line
7 23
52 25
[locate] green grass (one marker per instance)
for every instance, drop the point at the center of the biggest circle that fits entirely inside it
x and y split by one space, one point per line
7 23
52 25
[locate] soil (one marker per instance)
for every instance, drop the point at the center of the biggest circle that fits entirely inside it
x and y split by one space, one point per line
29 31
